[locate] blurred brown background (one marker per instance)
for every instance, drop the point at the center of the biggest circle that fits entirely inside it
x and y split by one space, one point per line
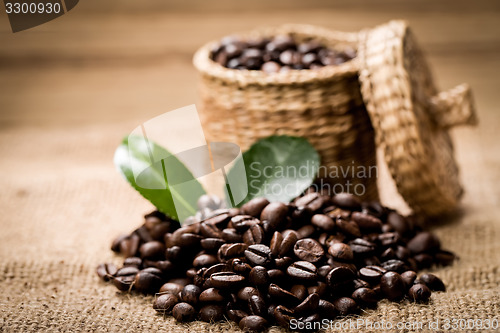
72 88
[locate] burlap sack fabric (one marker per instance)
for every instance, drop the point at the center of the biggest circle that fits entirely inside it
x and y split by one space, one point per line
62 204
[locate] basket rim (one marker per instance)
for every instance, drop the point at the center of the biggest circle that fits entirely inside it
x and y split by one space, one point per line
209 68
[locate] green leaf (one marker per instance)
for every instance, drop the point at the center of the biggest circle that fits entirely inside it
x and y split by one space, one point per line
279 168
158 176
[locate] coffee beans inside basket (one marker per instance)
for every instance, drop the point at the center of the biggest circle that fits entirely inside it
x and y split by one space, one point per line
318 257
278 54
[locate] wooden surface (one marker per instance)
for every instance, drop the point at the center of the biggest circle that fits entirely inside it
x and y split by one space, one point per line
106 67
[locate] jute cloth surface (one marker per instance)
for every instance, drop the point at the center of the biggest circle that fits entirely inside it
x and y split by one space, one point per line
62 202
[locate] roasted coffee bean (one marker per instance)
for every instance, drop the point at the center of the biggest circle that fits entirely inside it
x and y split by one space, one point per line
389 239
211 295
308 305
433 282
366 222
301 215
320 288
129 246
308 249
205 260
165 303
123 283
388 254
258 276
276 275
345 306
230 235
257 305
132 261
220 267
106 271
374 208
190 294
183 312
336 213
281 294
219 218
423 260
408 278
394 265
324 270
341 252
424 242
254 207
348 227
283 316
237 315
148 280
275 244
398 223
347 201
302 270
313 201
300 291
372 274
258 254
158 231
323 222
189 240
444 258
306 231
115 245
340 278
212 244
210 230
326 309
240 267
254 235
253 324
392 286
127 271
365 297
242 222
419 293
402 253
232 250
224 280
143 234
358 283
171 288
270 67
245 293
275 213
361 247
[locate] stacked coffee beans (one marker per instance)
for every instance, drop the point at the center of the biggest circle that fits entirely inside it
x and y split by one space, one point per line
273 263
279 54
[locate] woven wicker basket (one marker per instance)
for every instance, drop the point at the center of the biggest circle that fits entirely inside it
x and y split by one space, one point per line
324 105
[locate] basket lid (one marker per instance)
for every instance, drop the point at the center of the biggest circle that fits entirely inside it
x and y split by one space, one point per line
411 119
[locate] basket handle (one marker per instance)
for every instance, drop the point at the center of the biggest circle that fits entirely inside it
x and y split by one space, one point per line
454 107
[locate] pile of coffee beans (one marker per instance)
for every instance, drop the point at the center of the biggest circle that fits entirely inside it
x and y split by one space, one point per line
278 54
268 263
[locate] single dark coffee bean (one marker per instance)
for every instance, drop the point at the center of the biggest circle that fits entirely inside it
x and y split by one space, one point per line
288 243
347 201
348 227
326 309
306 231
398 223
433 282
275 244
392 286
275 213
165 303
230 235
205 260
365 296
283 316
241 267
258 255
129 246
236 315
323 222
419 293
367 222
123 283
257 305
189 240
127 271
395 265
132 261
283 262
308 305
281 294
219 218
115 245
320 288
245 293
372 274
341 252
106 271
258 276
171 288
300 291
358 283
424 242
212 244
225 280
314 201
337 213
301 215
388 254
302 270
408 278
211 295
234 250
190 294
221 267
183 312
340 278
253 324
362 248
324 270
444 258
276 276
254 207
242 222
210 230
345 306
389 239
423 260
402 253
148 280
308 249
254 235
374 208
